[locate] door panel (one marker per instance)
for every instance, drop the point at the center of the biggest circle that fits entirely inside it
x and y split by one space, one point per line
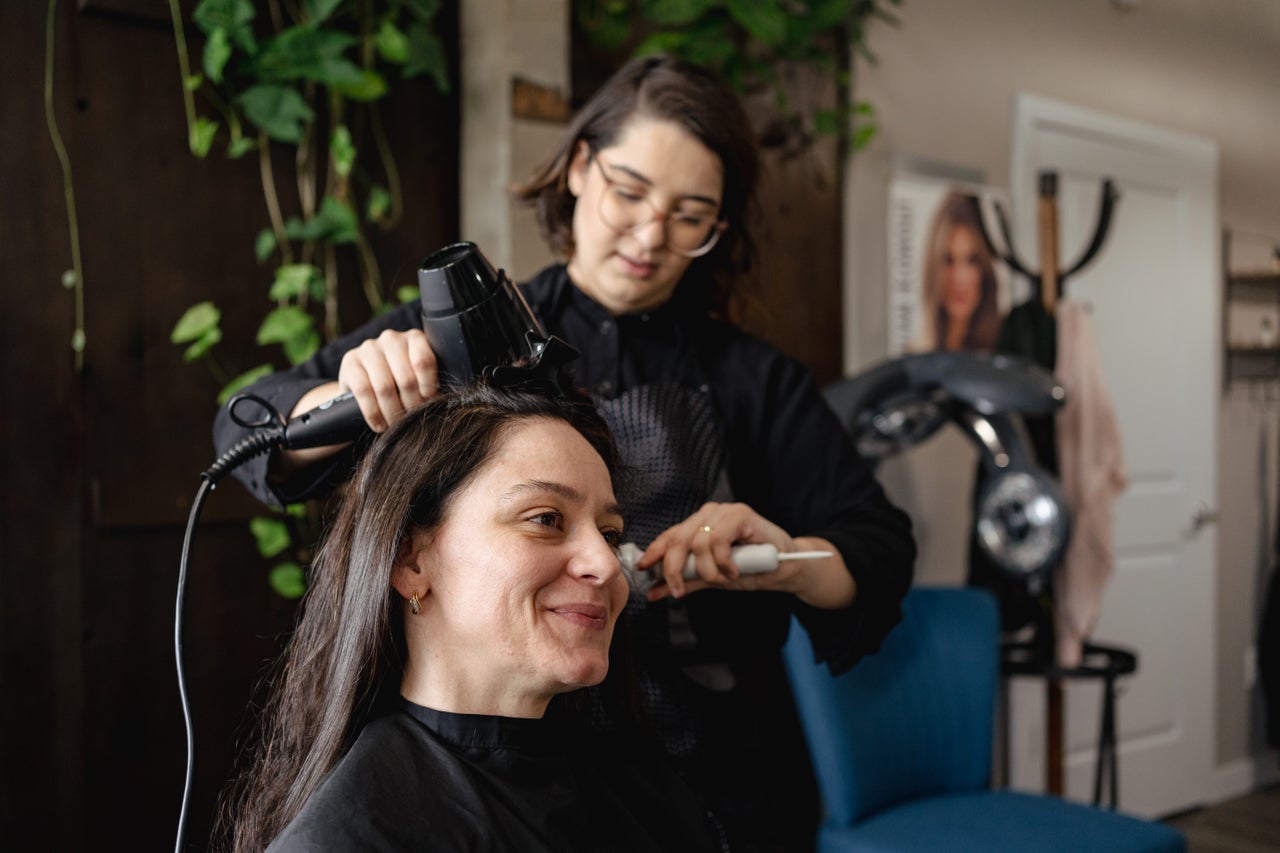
1153 297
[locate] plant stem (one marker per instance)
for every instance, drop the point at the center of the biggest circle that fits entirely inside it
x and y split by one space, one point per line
389 167
269 194
68 191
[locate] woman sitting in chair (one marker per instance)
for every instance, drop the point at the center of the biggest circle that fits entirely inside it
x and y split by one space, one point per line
468 579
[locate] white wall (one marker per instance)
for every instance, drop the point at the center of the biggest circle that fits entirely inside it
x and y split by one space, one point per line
944 89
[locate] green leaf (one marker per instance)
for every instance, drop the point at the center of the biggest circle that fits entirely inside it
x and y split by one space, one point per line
426 56
243 381
297 510
202 345
342 150
233 16
240 146
192 82
407 293
284 324
217 50
392 43
663 42
369 87
200 138
305 53
764 21
278 110
422 10
863 135
194 322
288 581
293 280
335 222
318 11
264 245
828 122
378 205
302 347
271 535
676 13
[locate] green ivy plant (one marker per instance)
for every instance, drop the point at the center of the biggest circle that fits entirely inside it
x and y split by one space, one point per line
306 76
752 43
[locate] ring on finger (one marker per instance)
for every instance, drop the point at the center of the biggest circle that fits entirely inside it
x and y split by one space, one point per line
706 528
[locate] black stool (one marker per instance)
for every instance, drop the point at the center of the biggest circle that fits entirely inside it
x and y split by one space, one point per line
1105 662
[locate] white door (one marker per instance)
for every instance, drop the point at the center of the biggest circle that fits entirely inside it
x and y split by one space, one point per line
1155 308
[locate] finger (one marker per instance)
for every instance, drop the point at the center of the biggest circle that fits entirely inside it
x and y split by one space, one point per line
381 380
422 361
355 379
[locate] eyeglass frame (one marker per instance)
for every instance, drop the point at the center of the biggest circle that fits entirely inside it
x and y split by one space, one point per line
718 228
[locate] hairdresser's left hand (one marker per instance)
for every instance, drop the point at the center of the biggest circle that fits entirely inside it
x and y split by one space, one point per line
708 535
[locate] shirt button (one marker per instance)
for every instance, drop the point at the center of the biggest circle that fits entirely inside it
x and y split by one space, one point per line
606 326
604 386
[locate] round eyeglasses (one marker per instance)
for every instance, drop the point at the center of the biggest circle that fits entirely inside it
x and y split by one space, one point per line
626 207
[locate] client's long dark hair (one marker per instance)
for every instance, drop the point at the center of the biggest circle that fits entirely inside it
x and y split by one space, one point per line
346 657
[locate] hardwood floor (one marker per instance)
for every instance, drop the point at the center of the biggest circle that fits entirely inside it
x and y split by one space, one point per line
1248 824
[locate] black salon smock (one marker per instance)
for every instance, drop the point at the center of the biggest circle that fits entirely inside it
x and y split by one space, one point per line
425 780
786 456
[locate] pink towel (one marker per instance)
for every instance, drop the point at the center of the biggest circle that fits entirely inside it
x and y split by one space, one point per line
1091 465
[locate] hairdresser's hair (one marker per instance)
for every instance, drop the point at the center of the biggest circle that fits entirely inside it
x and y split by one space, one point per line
960 210
669 89
344 662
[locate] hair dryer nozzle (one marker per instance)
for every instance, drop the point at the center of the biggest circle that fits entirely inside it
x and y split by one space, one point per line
473 315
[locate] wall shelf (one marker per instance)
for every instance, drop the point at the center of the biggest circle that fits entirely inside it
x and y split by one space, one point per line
1250 320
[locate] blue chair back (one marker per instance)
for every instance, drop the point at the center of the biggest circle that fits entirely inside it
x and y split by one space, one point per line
916 718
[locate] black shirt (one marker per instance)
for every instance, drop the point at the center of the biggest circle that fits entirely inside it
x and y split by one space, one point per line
424 780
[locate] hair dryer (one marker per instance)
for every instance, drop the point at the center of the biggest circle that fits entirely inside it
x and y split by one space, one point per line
478 325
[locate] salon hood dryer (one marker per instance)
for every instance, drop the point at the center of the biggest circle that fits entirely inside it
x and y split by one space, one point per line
1021 521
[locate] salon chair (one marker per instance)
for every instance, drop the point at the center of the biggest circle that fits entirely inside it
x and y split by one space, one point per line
902 746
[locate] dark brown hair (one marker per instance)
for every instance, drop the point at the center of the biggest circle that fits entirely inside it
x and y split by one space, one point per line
669 89
344 663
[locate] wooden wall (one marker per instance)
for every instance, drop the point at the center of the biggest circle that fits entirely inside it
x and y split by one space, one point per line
99 466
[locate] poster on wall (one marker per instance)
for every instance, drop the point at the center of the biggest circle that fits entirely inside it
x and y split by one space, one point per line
946 289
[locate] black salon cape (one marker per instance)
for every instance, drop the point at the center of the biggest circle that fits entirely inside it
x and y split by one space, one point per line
787 457
424 780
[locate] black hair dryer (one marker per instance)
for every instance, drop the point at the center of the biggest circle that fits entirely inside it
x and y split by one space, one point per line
478 325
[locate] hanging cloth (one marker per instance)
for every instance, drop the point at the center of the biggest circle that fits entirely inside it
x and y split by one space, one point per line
1091 468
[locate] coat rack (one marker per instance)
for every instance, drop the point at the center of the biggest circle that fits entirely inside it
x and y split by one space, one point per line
1050 280
1037 657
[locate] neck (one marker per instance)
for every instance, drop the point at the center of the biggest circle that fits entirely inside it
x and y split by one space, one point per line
457 690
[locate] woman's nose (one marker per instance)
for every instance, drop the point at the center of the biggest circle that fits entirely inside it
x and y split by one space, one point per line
652 233
595 561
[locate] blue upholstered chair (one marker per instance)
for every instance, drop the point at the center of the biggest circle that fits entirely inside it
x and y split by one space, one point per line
902 746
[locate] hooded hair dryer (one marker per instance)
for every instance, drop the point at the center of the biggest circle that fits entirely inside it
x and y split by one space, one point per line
478 325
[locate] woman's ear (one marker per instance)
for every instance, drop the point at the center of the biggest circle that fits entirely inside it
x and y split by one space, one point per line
578 165
408 575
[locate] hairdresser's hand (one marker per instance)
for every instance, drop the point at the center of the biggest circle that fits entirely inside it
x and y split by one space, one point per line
709 533
388 375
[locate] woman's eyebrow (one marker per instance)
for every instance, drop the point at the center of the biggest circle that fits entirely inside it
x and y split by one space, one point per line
636 176
563 490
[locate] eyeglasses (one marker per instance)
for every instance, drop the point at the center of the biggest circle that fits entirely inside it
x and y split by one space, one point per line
626 207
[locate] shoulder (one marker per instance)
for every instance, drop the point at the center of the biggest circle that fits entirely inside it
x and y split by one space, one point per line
384 773
545 287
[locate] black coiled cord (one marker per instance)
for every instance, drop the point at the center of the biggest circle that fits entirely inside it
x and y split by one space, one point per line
270 435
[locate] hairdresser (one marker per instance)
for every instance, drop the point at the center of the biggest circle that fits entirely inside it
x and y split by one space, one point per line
646 198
